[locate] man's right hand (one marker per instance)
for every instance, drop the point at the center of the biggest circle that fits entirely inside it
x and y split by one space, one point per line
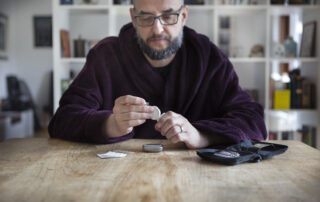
128 112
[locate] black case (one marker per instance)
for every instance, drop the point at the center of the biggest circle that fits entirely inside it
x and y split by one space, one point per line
245 151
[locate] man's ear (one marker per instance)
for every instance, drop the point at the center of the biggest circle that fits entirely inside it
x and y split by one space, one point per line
132 17
184 15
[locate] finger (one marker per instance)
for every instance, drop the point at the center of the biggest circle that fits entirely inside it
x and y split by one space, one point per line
130 100
133 108
133 116
171 123
164 117
176 138
173 131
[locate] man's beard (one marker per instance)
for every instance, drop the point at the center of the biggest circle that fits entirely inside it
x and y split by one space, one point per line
155 54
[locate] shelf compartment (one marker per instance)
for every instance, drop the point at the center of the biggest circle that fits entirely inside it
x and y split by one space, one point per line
294 110
243 8
199 17
201 7
73 60
282 10
85 7
288 60
248 60
256 72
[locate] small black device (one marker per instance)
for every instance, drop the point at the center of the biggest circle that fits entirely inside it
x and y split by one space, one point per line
245 151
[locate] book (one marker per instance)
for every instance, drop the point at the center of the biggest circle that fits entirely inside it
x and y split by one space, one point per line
306 94
281 99
122 2
66 2
194 2
277 1
299 2
313 99
298 93
309 135
271 92
296 89
284 27
273 136
65 43
65 85
287 135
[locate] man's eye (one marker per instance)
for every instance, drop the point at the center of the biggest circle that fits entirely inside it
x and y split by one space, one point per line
146 18
166 17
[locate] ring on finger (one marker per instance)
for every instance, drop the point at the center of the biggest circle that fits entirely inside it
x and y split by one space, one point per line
181 128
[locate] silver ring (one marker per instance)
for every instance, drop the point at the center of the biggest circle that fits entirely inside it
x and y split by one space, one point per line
181 128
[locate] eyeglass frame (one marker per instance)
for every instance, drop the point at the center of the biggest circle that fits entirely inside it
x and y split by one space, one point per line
159 18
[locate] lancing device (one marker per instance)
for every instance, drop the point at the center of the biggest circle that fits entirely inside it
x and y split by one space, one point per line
154 148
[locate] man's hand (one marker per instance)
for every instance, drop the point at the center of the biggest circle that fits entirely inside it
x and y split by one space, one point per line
128 112
177 128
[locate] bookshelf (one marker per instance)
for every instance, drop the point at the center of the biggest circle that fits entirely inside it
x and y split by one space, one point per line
104 19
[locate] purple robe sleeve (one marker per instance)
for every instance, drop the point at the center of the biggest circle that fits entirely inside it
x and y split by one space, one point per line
239 117
82 109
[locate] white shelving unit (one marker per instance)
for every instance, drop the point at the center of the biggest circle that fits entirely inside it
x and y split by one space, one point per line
254 25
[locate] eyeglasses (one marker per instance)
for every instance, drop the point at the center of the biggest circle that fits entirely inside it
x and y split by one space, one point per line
165 19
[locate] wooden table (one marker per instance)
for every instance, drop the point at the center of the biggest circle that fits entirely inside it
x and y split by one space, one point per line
40 169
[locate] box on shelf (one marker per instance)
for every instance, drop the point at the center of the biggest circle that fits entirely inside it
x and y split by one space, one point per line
282 99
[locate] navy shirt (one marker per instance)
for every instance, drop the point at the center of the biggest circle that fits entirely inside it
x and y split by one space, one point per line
163 71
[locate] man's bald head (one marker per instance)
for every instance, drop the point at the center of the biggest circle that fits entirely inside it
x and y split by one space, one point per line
134 2
163 36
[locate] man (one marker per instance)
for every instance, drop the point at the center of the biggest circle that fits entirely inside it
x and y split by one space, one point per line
157 59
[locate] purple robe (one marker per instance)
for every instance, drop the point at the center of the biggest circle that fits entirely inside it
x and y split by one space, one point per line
202 86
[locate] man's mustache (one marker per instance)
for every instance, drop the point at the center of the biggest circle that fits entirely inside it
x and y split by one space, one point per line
158 37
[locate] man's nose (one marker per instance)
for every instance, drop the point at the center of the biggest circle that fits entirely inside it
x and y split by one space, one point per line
157 26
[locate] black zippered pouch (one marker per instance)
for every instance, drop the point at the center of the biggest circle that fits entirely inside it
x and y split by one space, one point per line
245 151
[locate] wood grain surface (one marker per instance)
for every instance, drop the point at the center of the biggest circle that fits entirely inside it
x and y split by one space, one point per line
41 169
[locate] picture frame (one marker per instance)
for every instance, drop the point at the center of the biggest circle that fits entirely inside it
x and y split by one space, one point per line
3 37
42 31
308 39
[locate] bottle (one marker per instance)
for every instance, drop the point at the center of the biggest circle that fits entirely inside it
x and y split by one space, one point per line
290 47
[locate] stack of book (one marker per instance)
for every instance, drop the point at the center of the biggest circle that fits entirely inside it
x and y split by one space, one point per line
307 135
239 2
302 91
194 2
81 46
294 2
122 2
299 94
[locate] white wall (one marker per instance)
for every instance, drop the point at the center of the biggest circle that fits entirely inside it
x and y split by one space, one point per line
24 60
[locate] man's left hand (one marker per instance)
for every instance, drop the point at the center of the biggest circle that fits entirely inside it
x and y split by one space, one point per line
177 128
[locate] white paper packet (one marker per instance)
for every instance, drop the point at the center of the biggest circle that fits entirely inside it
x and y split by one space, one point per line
111 154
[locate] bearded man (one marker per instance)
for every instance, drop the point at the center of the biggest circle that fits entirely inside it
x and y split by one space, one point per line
158 61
